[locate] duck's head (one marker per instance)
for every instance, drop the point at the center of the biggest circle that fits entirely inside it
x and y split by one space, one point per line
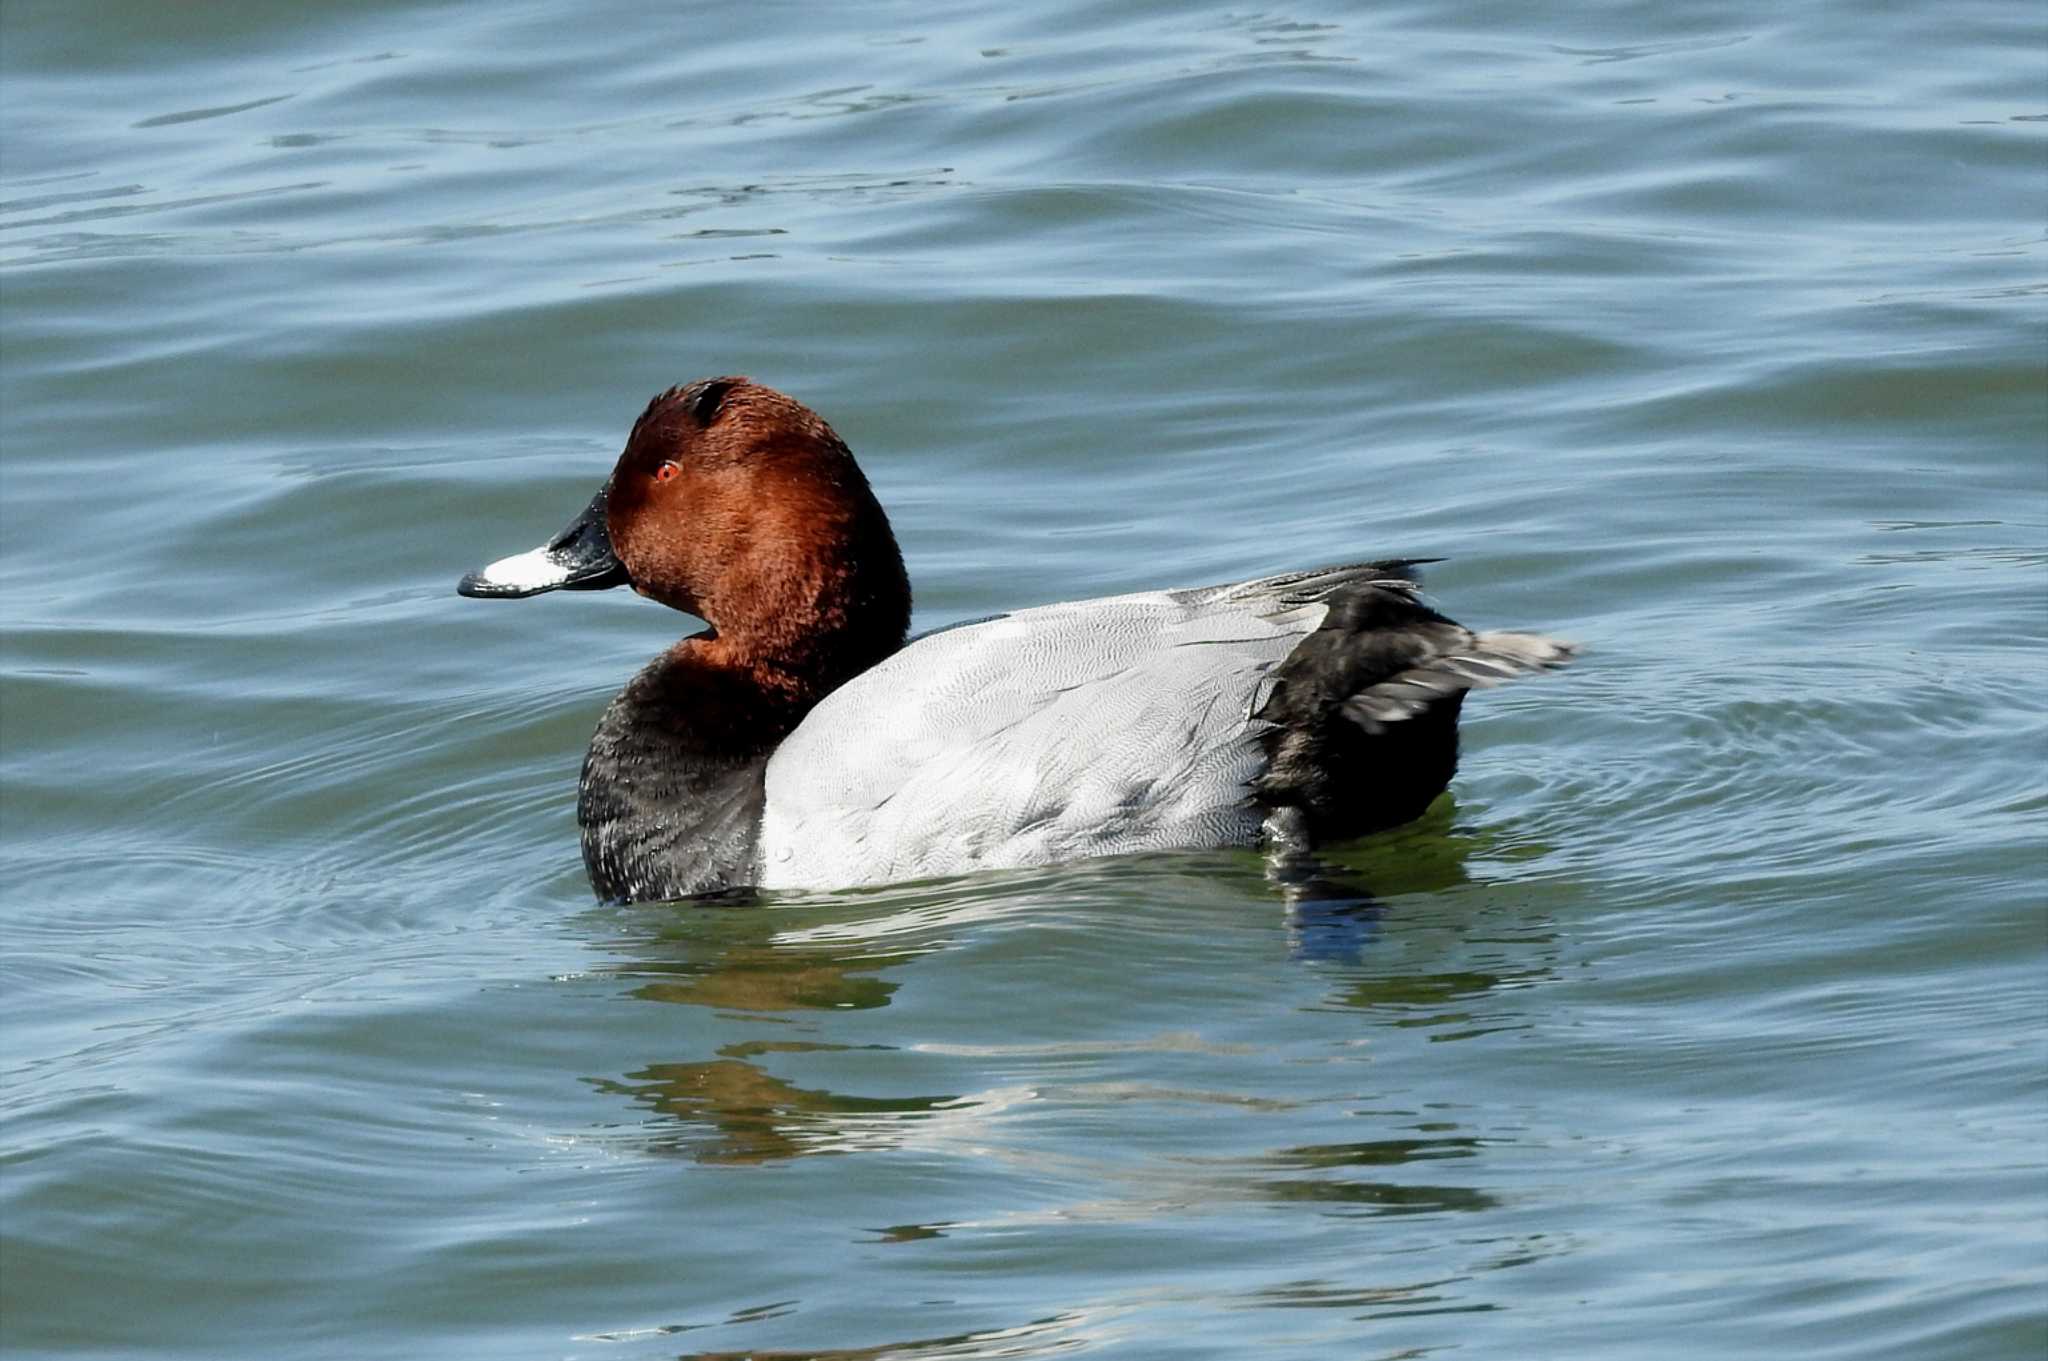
741 506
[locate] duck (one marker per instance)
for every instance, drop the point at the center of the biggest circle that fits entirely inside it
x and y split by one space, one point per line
804 740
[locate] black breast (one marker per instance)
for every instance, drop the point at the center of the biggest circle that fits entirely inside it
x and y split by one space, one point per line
672 790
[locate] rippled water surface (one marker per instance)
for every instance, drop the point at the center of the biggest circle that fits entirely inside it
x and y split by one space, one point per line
1707 1014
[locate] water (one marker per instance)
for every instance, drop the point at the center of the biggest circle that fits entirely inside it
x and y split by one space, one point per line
1707 1013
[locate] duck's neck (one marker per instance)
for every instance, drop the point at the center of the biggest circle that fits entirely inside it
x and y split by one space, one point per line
673 787
798 620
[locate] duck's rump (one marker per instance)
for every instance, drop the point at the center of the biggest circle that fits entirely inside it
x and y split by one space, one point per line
1162 720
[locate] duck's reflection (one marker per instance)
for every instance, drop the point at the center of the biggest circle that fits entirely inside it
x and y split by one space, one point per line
729 1110
1336 900
1456 955
785 963
734 953
736 960
763 977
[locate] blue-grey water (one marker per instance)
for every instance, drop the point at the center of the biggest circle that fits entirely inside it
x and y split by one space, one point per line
1707 1016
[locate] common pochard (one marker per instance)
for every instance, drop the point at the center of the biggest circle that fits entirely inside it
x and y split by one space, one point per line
801 742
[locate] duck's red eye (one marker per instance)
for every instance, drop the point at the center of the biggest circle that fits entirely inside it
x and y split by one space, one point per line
665 472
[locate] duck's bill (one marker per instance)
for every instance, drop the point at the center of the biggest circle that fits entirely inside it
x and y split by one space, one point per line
580 558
